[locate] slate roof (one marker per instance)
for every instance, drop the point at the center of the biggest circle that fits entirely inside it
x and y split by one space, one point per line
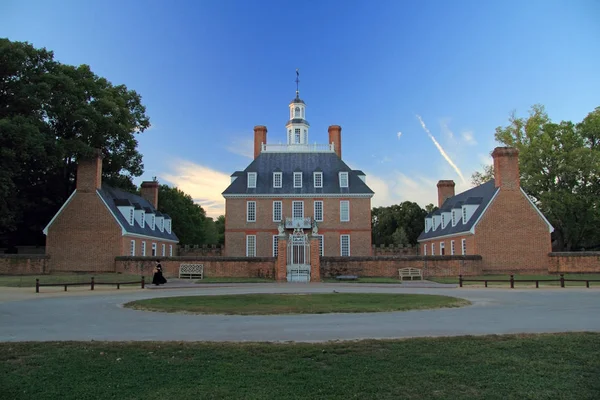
115 197
267 163
480 195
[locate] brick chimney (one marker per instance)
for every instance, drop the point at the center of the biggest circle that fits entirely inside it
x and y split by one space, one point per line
445 191
89 172
150 192
260 137
335 137
506 168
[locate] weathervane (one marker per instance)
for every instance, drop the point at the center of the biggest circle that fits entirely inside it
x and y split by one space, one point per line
297 81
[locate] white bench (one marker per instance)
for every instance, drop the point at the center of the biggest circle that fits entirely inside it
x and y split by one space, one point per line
410 272
191 271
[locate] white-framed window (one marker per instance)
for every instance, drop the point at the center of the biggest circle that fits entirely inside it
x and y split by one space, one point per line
297 179
251 246
152 221
442 248
297 135
143 248
250 211
132 248
131 214
277 179
452 248
318 210
344 211
297 209
433 249
251 179
443 222
453 217
427 225
305 133
153 249
424 249
276 211
464 246
464 215
321 244
161 226
345 245
170 250
143 219
343 179
163 250
275 245
318 179
168 225
297 115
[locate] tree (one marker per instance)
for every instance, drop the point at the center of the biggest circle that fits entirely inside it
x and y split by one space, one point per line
479 178
51 114
220 225
560 170
397 224
190 223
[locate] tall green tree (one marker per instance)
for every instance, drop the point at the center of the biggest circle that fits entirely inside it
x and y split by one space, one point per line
50 115
190 223
560 170
220 225
397 224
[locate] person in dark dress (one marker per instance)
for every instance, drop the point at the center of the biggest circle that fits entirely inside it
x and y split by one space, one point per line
158 277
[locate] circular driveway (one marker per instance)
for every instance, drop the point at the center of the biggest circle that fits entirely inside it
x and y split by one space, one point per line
101 316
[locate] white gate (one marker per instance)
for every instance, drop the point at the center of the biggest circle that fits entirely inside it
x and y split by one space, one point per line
298 256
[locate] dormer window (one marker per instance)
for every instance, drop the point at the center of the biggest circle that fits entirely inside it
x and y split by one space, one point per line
427 224
443 222
344 179
297 179
277 179
433 223
143 220
168 225
464 215
318 179
131 214
453 217
152 222
251 179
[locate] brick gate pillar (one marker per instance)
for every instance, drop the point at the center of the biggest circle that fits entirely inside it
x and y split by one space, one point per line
315 260
281 267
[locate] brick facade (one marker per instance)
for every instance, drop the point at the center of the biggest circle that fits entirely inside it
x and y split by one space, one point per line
236 226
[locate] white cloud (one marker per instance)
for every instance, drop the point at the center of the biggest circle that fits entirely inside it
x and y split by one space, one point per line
399 134
204 184
396 187
468 138
441 150
242 147
446 129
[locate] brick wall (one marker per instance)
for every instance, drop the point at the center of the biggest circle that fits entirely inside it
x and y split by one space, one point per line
512 236
575 262
241 267
394 250
236 227
84 236
23 264
388 266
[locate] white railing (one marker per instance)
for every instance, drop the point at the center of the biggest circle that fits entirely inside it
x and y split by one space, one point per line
302 223
297 148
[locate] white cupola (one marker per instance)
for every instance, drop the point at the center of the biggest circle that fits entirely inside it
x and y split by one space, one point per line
297 126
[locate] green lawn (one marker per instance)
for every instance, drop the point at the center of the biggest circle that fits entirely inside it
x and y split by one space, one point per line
558 366
29 280
235 280
517 277
262 304
365 279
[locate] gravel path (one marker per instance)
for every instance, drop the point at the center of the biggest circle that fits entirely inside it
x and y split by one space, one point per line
99 315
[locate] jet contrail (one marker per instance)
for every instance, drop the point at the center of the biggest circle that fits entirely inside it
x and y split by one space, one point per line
442 152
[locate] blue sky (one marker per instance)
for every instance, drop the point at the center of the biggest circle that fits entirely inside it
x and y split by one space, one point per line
208 71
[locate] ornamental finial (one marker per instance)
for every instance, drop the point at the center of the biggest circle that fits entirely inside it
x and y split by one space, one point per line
297 82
